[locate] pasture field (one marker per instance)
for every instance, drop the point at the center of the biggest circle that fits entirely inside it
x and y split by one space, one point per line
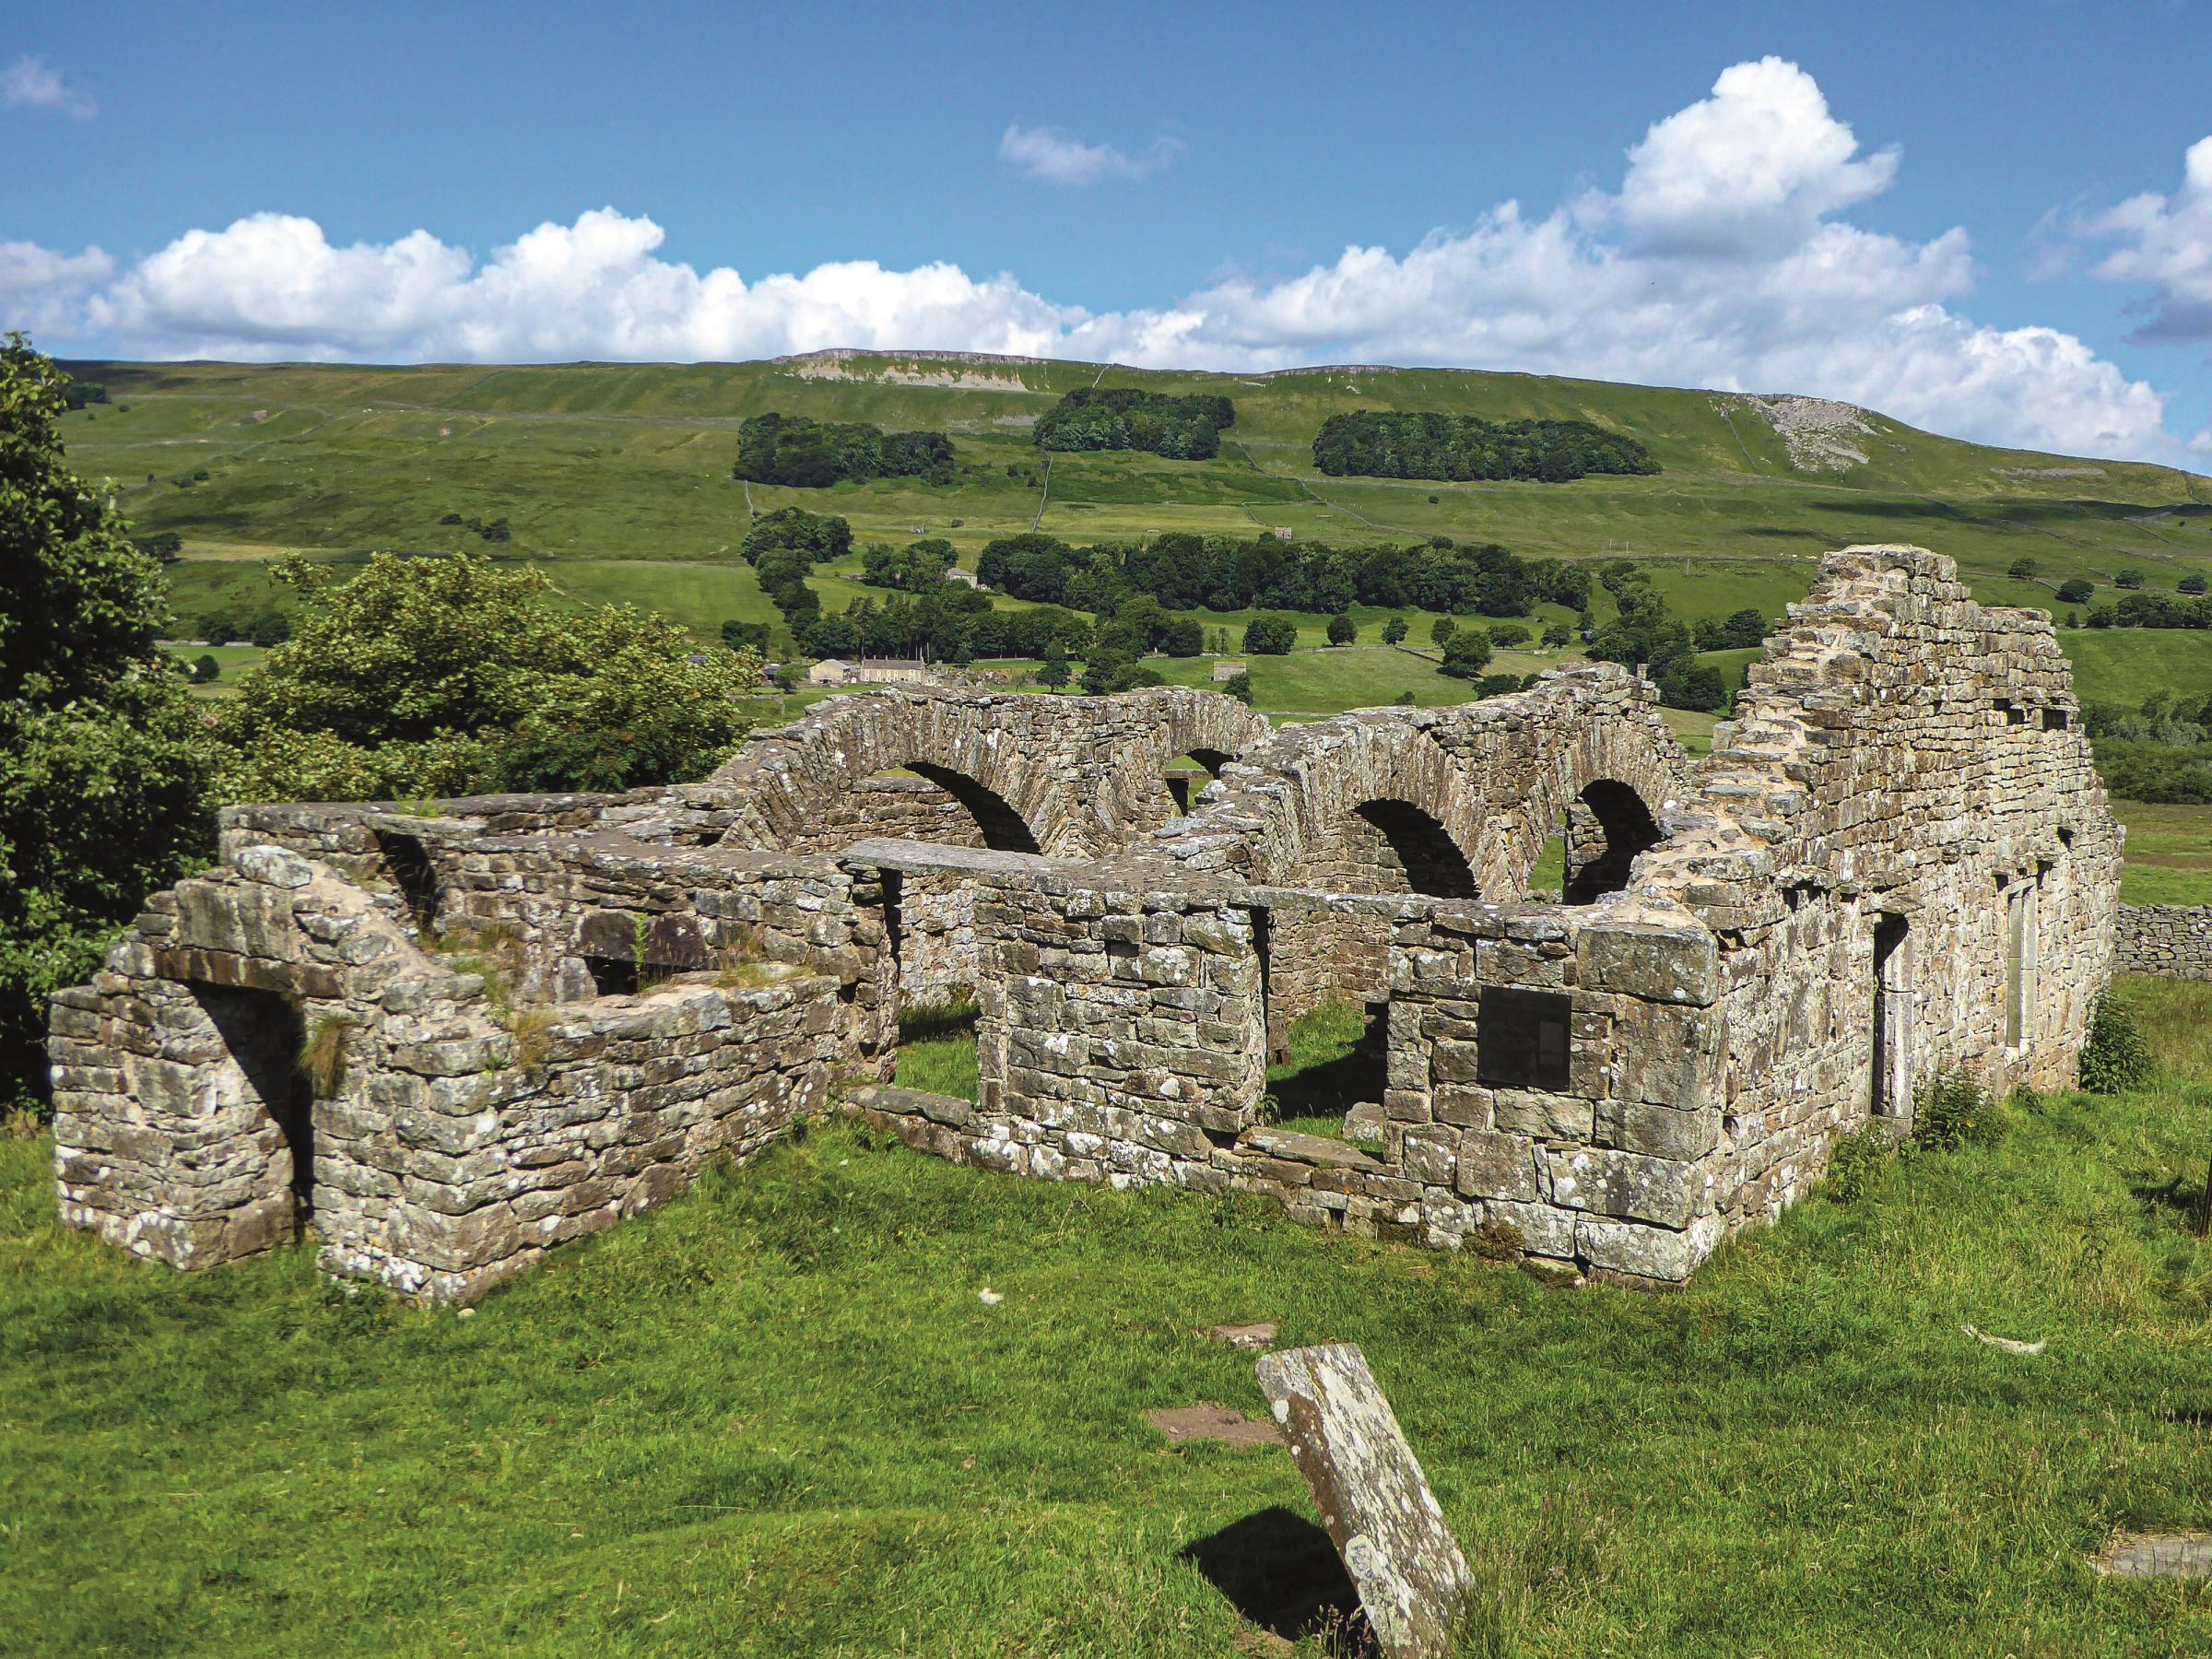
2169 853
776 1416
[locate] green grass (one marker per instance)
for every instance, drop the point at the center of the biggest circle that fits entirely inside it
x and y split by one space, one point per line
2169 853
937 1050
774 1416
632 463
1328 1071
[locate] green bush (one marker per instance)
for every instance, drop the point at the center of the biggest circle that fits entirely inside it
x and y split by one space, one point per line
1857 1160
1954 1110
2116 1057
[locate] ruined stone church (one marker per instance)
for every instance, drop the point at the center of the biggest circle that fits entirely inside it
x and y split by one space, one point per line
452 1042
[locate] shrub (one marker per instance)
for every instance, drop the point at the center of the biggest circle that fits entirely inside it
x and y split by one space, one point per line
206 670
1856 1162
1270 636
1341 630
1393 631
217 628
2192 584
1952 1110
2116 1057
1466 654
1240 688
2021 567
1506 635
2075 591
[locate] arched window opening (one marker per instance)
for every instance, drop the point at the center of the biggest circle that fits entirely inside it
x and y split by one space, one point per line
1607 826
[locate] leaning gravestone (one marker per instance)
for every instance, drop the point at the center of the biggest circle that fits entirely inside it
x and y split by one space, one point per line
1374 1500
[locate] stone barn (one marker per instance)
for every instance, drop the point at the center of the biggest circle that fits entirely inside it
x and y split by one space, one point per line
448 1042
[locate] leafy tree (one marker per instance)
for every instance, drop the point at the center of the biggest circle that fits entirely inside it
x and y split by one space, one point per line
271 627
1441 630
1184 638
1270 636
1557 634
206 670
816 536
747 636
1497 685
1341 630
1506 635
165 545
2192 584
217 628
103 765
1053 670
437 677
1393 631
2024 568
2128 579
1466 653
2075 591
1239 686
1693 685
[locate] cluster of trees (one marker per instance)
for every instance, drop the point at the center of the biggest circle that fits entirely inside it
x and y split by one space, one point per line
915 568
491 530
1376 445
2154 611
266 628
2161 751
813 454
1182 428
818 536
77 393
1186 571
165 545
1645 632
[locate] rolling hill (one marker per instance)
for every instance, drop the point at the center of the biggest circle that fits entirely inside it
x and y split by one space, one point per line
618 478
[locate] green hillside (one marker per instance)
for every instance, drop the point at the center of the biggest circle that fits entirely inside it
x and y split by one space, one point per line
618 476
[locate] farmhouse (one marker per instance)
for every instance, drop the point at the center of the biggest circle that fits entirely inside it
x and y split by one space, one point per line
454 1041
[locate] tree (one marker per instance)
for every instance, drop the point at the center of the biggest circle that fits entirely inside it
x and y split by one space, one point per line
1393 631
1270 636
2076 591
1558 634
1182 638
206 670
2025 569
2128 579
217 628
1506 635
1467 654
271 627
747 636
1053 670
437 677
103 763
1441 630
2192 584
1341 630
1239 686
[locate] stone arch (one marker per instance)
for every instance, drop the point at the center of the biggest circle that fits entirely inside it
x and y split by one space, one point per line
1081 776
1608 824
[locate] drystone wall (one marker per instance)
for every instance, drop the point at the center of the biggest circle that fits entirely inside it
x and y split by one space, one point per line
2173 941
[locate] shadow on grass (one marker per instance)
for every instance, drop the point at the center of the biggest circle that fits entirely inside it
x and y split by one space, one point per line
1281 1573
2187 1197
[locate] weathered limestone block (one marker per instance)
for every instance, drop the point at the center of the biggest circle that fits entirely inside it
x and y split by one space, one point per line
1374 1500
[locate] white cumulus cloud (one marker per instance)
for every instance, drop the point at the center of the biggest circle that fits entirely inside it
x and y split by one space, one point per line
45 291
1723 259
30 84
1053 156
2165 243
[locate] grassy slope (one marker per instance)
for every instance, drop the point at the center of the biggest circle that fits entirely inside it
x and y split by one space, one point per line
775 1416
614 464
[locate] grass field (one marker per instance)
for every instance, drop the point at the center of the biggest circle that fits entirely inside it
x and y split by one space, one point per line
775 1416
618 477
2169 853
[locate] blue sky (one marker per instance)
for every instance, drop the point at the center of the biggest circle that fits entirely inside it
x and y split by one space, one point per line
1986 219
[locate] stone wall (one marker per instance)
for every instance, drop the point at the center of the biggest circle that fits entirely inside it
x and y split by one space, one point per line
1898 862
2173 941
277 1044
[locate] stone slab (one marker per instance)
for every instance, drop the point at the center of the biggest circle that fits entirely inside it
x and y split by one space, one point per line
1374 1500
